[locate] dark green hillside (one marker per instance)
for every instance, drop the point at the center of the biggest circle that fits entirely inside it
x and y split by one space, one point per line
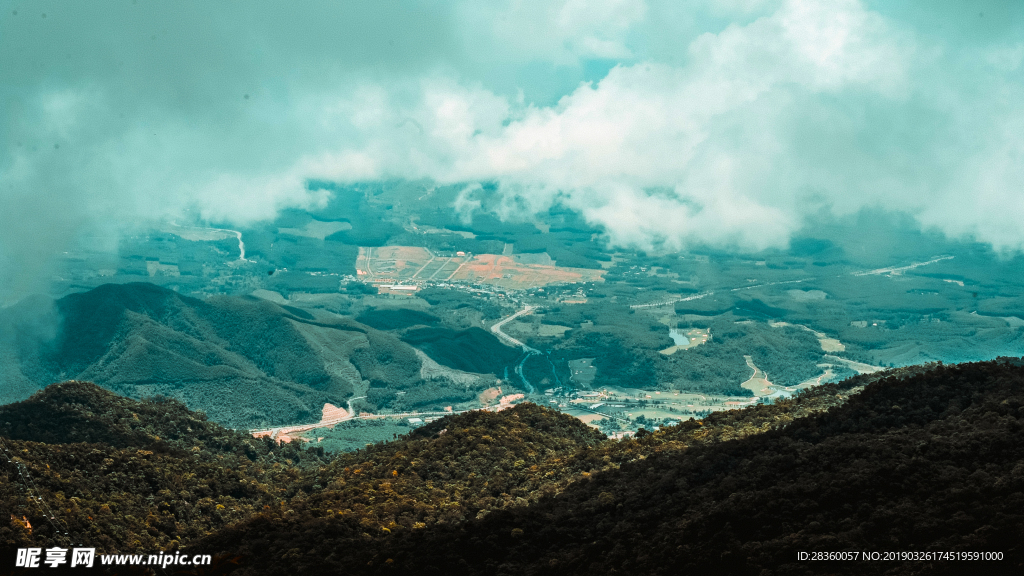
716 305
302 255
366 232
804 246
395 318
125 475
472 350
448 243
626 348
257 330
567 248
387 362
929 462
758 309
708 306
451 300
788 355
247 362
91 320
923 459
83 412
27 332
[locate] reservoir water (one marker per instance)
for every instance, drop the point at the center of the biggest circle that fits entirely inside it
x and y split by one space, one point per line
678 337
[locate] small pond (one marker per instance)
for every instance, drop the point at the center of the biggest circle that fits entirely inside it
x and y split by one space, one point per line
678 337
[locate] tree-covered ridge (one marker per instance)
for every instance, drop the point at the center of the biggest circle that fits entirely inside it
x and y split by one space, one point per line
246 362
132 499
928 462
73 411
912 459
471 350
921 460
149 475
127 475
394 318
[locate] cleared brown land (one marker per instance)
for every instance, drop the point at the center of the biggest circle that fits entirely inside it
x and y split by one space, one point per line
331 415
412 263
504 271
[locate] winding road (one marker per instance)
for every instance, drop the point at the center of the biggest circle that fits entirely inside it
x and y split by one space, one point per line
496 330
897 270
758 382
235 233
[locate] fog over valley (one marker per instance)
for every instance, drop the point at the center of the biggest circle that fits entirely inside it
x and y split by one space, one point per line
732 124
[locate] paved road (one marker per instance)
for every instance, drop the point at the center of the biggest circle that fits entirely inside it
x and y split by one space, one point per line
441 268
496 329
897 270
351 412
235 233
673 301
417 273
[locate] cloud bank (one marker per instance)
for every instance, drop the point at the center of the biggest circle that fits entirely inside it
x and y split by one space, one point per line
729 123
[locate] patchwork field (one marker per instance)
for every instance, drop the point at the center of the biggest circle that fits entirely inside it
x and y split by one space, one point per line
410 264
506 272
405 264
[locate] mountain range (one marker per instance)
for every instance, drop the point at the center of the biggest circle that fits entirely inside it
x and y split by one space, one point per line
918 459
245 361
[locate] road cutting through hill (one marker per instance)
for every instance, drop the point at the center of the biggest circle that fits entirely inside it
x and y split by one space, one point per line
758 383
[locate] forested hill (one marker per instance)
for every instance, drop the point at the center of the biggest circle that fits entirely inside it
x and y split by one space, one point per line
72 412
921 459
123 475
245 361
926 461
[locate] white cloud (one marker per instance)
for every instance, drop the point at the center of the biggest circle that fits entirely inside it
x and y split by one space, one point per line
694 129
559 31
819 105
724 121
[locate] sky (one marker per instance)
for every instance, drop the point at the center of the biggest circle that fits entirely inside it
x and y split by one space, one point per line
733 123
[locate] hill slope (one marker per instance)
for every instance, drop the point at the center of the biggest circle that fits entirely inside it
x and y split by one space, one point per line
245 361
471 350
125 475
930 461
922 459
73 412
